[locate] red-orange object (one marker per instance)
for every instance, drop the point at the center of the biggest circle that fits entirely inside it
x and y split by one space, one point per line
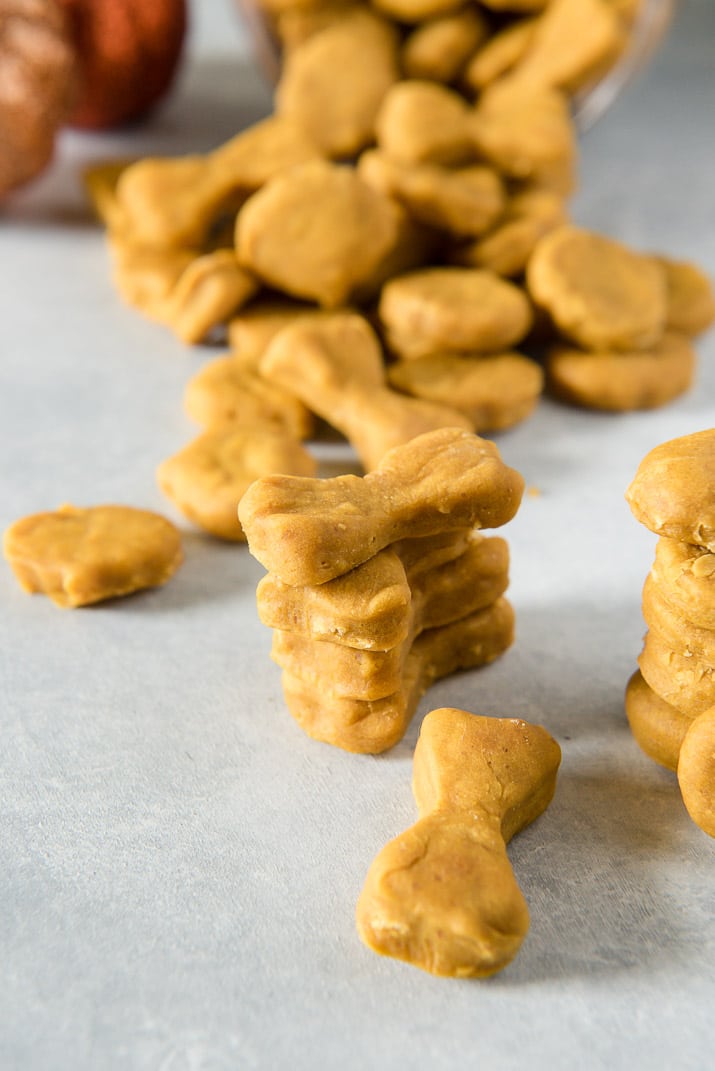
128 52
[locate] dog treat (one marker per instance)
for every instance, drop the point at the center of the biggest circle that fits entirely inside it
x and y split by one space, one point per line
319 255
373 726
257 324
674 627
437 49
600 294
691 302
622 381
495 391
673 490
443 896
207 479
205 295
683 680
422 122
685 576
228 390
309 531
696 771
452 309
658 727
336 367
499 54
145 277
81 556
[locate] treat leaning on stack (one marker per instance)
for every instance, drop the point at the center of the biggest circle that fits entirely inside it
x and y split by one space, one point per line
670 700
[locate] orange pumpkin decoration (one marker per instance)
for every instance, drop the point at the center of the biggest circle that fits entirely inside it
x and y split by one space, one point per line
128 52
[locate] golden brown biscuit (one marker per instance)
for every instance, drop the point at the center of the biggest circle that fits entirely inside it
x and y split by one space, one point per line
373 726
673 490
421 122
495 391
691 301
227 390
682 680
454 310
256 324
205 295
208 477
438 48
144 277
333 84
658 728
335 366
319 255
443 896
696 771
625 381
498 54
675 627
599 293
685 576
309 531
81 556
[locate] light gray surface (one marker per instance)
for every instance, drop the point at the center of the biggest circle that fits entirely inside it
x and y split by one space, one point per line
180 863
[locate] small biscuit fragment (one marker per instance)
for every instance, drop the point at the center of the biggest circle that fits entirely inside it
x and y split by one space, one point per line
452 309
335 366
322 255
227 390
691 301
442 896
696 771
599 293
207 479
333 84
685 576
309 531
144 277
622 381
658 727
673 490
81 556
421 122
495 391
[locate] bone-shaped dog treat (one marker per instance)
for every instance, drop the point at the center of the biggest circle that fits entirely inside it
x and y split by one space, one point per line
372 726
443 896
336 367
443 595
308 531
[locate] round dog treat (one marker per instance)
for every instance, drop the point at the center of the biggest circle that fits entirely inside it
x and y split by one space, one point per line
622 382
320 255
82 556
658 727
422 122
673 491
453 309
600 294
685 575
691 302
683 680
495 391
674 626
438 48
696 771
208 478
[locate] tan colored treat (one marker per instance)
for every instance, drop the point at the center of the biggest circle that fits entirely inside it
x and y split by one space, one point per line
175 202
696 772
625 381
675 627
82 556
416 11
506 249
371 727
206 294
415 246
208 478
658 728
442 596
527 133
682 680
333 84
673 491
256 325
145 277
437 49
319 255
443 896
100 181
495 392
422 122
600 294
452 309
309 531
685 576
499 54
464 201
335 366
297 25
691 301
562 55
228 391
419 554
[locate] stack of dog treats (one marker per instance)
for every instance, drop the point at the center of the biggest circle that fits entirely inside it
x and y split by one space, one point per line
377 586
670 700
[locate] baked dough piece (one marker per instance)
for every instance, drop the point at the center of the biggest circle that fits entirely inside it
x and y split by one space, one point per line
682 680
691 301
685 576
422 122
658 727
82 556
696 771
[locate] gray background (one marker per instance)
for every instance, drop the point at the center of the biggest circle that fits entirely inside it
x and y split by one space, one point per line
180 864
